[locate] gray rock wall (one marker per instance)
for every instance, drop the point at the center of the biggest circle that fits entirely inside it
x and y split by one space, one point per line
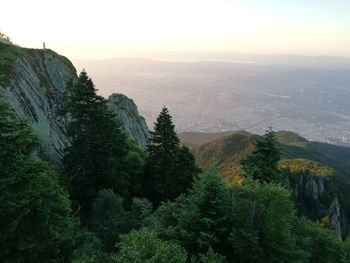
315 198
132 123
36 90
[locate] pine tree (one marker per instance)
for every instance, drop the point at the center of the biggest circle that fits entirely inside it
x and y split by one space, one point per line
165 142
97 157
169 169
36 222
261 164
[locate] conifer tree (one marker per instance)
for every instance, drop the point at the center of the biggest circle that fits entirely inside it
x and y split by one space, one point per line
97 156
261 164
165 142
36 222
169 169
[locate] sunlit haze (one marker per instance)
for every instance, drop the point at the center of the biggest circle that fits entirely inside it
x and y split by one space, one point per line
104 29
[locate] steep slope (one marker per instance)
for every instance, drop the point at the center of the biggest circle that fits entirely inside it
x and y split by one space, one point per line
314 192
33 82
128 115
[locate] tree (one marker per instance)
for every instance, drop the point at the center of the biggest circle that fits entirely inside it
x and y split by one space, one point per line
261 164
97 156
199 220
143 246
169 169
109 219
36 221
320 245
263 217
184 172
249 223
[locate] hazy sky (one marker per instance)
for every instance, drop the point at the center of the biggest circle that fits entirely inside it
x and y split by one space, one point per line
103 28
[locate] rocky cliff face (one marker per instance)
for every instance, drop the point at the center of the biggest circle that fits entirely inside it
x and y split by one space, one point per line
34 86
35 89
315 195
132 123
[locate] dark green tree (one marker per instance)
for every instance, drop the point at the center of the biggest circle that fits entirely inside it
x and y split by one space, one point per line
199 220
263 217
184 172
36 222
319 245
109 219
169 170
98 154
261 164
143 246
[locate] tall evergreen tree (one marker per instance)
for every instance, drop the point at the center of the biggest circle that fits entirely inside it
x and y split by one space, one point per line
169 169
261 164
97 157
36 222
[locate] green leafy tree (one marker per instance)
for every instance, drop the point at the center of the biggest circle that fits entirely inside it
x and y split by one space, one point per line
242 223
169 169
97 157
109 219
199 221
263 217
143 246
211 257
36 222
261 164
319 245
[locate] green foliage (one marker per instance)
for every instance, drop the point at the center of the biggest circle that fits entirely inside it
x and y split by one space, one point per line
346 246
211 257
90 251
243 223
199 220
169 170
263 217
305 167
144 246
319 245
261 164
98 157
36 221
109 219
8 56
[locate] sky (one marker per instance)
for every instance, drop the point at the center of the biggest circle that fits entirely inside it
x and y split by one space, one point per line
111 28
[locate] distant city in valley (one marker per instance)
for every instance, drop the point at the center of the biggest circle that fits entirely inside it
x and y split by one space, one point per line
213 92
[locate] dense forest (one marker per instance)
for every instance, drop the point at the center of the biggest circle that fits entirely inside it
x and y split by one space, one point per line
113 202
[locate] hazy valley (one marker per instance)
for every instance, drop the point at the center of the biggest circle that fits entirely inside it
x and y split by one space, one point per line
307 95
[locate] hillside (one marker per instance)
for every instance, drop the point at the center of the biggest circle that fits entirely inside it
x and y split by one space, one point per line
317 173
226 151
34 82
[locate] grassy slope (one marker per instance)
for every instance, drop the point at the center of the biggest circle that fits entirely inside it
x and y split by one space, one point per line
227 151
